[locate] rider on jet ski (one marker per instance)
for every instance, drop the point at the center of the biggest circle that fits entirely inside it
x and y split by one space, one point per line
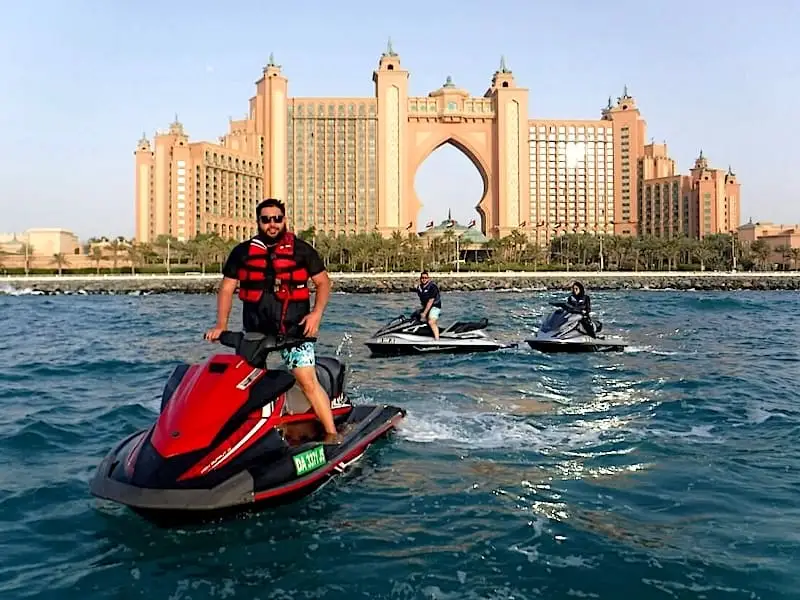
431 301
579 302
272 270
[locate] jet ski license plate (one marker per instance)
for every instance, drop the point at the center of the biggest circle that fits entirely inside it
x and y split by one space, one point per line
307 461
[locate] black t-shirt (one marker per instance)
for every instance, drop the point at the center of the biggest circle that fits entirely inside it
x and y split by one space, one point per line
265 316
427 292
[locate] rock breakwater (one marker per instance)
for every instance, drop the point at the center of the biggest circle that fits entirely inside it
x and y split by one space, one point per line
379 283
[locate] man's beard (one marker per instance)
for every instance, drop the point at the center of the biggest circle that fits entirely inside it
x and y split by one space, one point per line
272 239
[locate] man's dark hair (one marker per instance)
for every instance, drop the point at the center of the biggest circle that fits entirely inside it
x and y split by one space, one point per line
423 273
270 202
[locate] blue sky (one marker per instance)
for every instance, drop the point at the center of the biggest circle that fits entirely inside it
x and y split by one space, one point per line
81 80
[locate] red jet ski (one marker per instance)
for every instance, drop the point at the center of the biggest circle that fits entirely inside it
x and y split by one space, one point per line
234 436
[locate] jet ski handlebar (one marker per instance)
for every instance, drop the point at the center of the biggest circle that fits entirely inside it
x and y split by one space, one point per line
563 305
255 347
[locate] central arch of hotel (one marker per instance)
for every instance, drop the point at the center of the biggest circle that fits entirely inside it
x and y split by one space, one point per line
472 139
491 130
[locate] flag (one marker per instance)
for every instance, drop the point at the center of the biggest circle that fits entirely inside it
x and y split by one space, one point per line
429 224
471 224
410 225
542 224
523 224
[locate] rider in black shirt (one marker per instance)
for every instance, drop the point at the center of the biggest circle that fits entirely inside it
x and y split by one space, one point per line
431 301
580 302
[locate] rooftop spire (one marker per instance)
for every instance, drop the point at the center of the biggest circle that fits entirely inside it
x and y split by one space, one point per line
503 68
271 62
389 49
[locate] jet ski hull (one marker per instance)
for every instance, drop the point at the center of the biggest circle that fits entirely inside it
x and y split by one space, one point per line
404 345
576 345
278 480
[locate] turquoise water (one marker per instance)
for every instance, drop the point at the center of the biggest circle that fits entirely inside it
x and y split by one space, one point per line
668 471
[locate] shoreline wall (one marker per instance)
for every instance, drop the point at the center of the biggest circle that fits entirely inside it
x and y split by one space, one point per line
377 283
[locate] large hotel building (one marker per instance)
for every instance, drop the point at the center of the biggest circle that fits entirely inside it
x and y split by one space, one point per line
347 165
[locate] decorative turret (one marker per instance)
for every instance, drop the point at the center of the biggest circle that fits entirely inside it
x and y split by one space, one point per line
626 102
449 89
701 162
389 60
271 69
176 127
144 144
502 78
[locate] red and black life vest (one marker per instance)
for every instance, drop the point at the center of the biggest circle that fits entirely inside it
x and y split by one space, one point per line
291 280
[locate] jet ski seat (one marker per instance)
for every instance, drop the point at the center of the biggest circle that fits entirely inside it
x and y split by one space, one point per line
464 326
330 373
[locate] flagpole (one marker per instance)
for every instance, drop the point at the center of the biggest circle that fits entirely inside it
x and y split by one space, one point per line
458 254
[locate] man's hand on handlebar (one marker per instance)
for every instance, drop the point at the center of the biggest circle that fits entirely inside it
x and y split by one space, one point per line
212 335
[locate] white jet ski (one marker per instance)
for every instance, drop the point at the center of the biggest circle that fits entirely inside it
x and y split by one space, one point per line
563 331
408 335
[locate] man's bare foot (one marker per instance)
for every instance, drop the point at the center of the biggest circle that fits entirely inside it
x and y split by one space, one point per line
332 438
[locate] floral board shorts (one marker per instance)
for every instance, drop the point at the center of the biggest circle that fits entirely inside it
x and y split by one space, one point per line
299 356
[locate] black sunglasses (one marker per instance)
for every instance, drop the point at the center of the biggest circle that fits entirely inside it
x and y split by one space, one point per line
270 219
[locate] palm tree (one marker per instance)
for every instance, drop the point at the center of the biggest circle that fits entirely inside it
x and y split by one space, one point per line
203 249
703 252
135 253
97 257
115 246
785 252
762 252
27 250
795 254
60 261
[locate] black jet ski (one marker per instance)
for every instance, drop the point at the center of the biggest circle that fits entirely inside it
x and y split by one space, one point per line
232 435
563 331
409 335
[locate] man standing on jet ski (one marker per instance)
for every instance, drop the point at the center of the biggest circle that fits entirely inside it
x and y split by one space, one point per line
272 271
579 302
431 301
